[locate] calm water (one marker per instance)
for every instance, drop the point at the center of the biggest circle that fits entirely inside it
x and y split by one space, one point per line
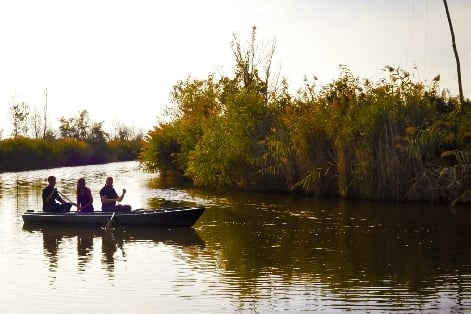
249 253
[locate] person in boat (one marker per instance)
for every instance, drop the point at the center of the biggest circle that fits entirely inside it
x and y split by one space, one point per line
109 198
84 197
52 200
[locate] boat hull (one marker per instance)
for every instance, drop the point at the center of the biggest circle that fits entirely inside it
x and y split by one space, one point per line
169 217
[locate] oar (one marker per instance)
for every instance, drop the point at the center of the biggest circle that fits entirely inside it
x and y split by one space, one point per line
66 198
109 222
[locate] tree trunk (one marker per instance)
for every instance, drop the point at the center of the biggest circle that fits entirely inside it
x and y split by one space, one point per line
455 51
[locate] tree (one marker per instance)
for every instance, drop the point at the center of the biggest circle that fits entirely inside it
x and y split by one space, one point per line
96 133
227 153
45 130
458 67
83 125
19 116
36 125
67 128
122 132
82 128
254 65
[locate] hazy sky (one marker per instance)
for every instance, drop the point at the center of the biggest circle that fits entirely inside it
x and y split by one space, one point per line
119 59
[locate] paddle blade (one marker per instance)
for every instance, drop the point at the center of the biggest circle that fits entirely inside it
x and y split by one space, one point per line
109 223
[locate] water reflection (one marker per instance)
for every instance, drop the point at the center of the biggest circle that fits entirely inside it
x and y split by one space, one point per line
84 249
261 253
113 242
51 244
359 254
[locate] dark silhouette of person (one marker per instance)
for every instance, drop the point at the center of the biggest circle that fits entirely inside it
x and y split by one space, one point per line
84 197
109 198
52 201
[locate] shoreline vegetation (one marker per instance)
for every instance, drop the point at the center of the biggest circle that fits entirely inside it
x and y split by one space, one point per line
79 141
394 139
23 153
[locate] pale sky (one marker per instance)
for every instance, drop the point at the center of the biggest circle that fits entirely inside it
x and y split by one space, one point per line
119 59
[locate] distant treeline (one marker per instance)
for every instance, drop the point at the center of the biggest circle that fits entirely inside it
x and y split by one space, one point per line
78 141
23 153
392 139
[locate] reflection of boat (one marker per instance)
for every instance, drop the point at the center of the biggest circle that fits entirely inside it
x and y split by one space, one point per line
178 236
169 217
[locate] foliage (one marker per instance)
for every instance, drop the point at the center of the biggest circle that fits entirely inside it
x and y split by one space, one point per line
122 132
160 151
24 153
120 150
20 118
80 141
217 127
351 138
81 128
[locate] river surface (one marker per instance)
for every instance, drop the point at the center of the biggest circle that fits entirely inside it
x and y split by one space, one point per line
248 253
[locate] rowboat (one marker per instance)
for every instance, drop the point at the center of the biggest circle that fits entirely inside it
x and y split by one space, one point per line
165 217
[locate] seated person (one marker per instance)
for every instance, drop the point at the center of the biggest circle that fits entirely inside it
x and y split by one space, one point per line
52 201
109 198
84 197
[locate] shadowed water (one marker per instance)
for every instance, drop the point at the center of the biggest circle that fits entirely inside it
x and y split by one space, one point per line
248 253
